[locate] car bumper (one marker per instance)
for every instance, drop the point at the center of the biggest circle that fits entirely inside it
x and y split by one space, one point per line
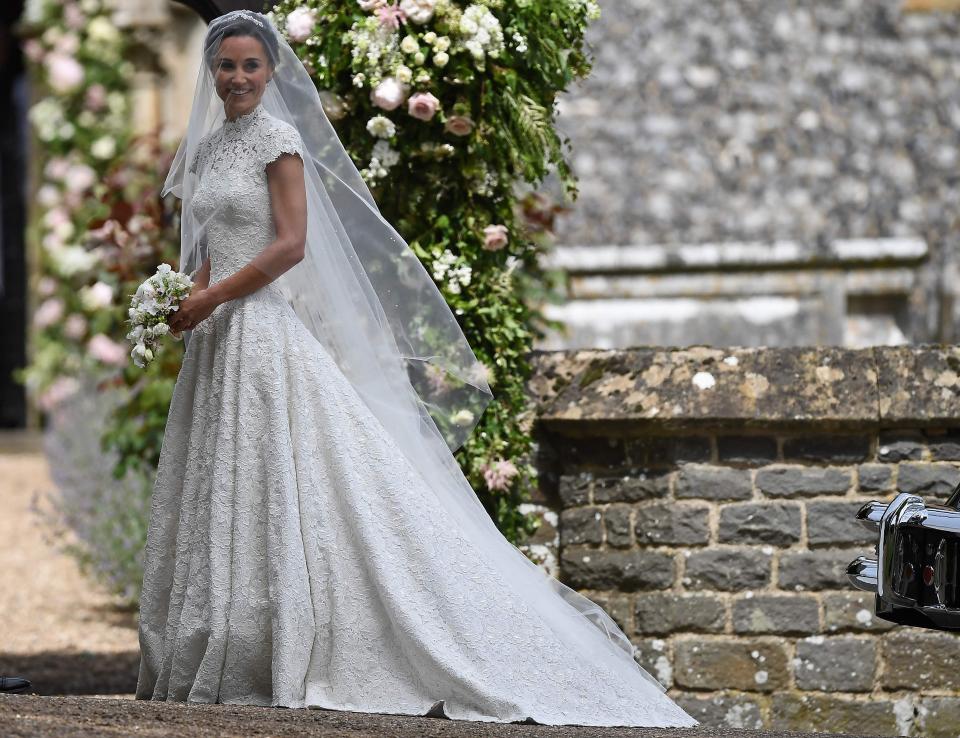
915 573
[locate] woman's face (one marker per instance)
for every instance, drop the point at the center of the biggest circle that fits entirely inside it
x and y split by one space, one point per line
240 73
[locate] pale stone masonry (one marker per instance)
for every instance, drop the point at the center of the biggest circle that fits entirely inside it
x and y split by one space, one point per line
706 497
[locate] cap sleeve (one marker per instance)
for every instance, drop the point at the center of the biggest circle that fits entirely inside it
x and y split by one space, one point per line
196 161
278 140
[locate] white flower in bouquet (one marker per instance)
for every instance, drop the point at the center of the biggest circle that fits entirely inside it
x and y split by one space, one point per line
150 307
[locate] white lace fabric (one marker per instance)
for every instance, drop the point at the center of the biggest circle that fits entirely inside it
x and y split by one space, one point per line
295 557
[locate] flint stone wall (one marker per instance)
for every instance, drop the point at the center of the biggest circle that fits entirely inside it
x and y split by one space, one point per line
705 497
738 126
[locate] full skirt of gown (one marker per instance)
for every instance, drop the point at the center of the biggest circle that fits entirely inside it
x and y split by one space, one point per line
295 558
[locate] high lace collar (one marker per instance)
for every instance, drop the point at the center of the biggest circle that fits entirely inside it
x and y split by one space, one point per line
243 122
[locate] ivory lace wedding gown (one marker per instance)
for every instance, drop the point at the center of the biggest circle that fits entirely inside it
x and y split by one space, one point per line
294 558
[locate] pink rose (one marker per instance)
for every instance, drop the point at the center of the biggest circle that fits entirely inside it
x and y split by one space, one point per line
79 178
499 474
56 216
47 286
61 389
49 312
57 168
74 327
33 49
97 296
64 72
423 105
67 44
300 23
458 125
96 97
105 350
73 16
494 237
389 94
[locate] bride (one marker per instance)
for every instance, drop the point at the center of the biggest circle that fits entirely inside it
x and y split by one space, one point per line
312 541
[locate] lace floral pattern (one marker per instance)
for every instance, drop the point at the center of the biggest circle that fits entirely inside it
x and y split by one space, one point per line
295 557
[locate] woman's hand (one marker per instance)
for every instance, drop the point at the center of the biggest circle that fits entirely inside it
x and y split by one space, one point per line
195 309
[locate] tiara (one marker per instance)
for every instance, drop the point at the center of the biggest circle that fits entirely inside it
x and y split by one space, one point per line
251 16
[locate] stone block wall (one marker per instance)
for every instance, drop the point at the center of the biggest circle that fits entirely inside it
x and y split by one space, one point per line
706 497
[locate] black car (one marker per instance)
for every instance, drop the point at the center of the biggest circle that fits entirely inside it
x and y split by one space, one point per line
915 573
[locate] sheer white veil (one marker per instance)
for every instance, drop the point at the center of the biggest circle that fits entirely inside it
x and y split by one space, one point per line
363 293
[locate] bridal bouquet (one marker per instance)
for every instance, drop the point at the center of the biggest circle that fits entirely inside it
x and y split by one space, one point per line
150 307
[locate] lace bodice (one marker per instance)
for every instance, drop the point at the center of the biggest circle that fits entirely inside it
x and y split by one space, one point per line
232 198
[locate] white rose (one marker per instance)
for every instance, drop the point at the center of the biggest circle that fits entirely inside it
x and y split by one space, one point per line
463 418
104 147
97 296
418 11
101 29
381 127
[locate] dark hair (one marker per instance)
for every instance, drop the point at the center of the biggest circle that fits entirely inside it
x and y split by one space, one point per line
242 26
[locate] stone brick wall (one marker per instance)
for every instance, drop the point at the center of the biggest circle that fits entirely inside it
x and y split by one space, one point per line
706 497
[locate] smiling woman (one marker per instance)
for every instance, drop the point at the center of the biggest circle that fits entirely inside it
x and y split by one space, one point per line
242 67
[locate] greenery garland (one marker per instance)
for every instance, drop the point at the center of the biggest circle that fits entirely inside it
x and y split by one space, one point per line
448 110
97 227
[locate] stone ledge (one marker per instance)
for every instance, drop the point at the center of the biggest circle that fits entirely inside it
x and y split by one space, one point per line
639 389
744 255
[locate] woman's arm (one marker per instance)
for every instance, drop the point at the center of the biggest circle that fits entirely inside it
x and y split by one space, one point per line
202 280
288 201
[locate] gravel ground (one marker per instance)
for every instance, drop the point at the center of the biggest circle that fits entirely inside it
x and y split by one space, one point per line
70 717
59 630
